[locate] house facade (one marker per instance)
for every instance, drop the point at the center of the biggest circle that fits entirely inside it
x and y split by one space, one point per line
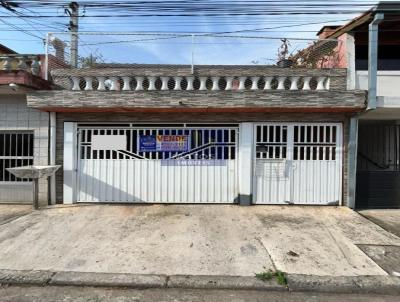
23 131
202 134
378 165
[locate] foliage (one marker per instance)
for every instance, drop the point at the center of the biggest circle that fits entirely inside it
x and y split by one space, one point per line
265 276
90 61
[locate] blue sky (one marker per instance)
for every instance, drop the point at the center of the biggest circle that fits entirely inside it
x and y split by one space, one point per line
142 48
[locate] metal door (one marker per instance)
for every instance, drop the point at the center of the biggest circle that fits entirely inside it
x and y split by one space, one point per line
204 173
298 163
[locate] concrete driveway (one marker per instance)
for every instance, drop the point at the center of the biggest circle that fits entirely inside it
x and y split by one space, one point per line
389 219
192 239
9 212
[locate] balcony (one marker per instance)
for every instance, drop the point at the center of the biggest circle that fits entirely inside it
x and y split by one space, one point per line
24 70
205 87
388 87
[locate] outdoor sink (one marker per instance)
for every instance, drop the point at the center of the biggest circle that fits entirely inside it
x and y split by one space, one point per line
33 171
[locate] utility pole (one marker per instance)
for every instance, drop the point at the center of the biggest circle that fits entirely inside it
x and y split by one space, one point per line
73 28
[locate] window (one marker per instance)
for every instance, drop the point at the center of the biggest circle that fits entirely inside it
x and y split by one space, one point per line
16 150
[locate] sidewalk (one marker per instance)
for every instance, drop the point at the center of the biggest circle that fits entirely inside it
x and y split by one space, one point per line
381 285
214 245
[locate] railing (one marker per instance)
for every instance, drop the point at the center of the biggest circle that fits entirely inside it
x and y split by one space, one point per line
202 83
29 63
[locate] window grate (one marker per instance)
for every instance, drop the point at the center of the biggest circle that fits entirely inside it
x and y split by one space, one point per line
16 150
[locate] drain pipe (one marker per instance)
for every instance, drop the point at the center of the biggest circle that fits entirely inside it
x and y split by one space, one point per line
52 156
373 59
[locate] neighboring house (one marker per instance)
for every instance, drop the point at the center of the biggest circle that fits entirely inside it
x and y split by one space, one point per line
378 164
23 130
211 134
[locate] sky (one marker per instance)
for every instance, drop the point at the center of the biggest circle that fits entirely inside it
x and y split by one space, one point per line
173 40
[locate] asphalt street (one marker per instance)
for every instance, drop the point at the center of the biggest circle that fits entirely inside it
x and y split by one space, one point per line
87 294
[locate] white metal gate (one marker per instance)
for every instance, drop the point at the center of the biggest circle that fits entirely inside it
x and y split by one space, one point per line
204 173
298 163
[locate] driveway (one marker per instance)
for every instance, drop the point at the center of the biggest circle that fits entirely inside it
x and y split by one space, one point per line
192 239
389 219
9 212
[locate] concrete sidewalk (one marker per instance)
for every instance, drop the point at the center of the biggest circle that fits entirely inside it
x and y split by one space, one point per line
389 219
219 240
10 212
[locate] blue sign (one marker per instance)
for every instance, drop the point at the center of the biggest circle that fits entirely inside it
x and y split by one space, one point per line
147 143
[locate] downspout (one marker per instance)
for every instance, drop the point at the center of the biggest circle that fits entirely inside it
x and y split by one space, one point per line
53 156
52 131
373 59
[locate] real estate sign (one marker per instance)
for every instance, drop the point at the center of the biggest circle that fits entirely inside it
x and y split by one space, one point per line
160 143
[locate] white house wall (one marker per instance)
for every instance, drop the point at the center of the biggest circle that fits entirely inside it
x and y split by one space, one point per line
16 116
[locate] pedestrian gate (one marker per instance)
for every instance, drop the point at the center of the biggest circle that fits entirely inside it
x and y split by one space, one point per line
185 163
298 163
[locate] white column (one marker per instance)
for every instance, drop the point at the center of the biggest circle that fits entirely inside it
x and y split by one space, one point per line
293 83
70 146
22 63
189 83
75 83
114 83
35 67
328 83
254 84
139 83
321 83
203 81
164 83
102 85
89 83
242 81
268 81
177 83
306 85
127 83
152 83
215 81
246 150
352 147
281 83
228 83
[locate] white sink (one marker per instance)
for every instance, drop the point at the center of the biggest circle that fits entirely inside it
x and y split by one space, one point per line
33 171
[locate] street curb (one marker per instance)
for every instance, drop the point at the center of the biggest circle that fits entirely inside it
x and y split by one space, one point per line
25 277
223 282
295 282
344 284
108 280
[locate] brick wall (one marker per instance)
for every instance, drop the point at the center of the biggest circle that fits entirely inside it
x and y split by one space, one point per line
16 116
190 117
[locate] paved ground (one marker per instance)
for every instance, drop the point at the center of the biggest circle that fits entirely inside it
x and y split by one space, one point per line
77 294
388 219
192 239
10 212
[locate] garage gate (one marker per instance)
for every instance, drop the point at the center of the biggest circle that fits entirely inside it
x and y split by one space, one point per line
184 163
298 163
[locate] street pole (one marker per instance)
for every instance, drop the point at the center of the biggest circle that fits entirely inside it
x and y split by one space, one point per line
73 28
